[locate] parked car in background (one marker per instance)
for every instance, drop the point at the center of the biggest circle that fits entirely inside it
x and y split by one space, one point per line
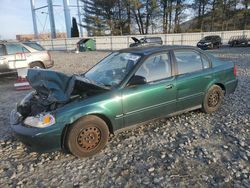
86 45
238 41
14 55
146 41
209 42
127 87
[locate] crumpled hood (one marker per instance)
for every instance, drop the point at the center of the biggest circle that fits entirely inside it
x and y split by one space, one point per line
136 40
58 87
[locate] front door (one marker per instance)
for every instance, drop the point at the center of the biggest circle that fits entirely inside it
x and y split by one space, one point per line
155 98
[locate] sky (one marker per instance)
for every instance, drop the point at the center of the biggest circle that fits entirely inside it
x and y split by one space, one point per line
16 17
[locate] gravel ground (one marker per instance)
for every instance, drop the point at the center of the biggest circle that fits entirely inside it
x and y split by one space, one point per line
189 150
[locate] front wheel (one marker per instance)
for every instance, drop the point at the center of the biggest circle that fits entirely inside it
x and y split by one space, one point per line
87 136
213 99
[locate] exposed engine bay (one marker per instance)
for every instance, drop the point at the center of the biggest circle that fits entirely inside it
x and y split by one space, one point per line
55 89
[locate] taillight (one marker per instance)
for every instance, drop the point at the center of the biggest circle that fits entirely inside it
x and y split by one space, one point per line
235 70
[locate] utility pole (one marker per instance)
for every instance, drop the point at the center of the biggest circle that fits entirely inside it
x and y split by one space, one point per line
79 18
51 19
67 17
33 11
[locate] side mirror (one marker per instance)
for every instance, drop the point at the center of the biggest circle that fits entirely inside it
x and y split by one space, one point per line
137 80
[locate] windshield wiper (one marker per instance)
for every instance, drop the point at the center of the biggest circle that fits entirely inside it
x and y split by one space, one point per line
107 85
96 83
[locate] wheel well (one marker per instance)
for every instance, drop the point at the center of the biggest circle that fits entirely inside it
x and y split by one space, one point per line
40 62
107 121
66 128
64 137
222 87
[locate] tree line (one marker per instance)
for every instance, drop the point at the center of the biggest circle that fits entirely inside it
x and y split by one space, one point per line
121 17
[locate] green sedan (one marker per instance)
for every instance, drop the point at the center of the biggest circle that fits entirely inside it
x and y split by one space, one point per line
78 113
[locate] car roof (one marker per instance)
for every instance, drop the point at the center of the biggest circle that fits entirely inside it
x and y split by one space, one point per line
16 42
10 42
147 50
29 42
212 36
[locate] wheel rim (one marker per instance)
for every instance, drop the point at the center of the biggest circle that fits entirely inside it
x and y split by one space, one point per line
214 99
36 67
89 138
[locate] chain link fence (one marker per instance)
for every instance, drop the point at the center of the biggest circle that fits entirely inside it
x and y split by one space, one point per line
119 42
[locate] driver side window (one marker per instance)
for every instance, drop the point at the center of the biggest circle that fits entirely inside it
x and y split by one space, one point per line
156 67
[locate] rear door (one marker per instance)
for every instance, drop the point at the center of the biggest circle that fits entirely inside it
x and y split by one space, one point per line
193 76
16 54
155 98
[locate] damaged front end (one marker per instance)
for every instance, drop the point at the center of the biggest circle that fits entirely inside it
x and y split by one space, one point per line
35 118
53 90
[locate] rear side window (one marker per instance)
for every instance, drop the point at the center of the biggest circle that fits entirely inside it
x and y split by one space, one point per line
15 48
156 67
2 50
34 46
188 61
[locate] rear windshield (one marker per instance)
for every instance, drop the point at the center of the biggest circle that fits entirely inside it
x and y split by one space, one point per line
34 46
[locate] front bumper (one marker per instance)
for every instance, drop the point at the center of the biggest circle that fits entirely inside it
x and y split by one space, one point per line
204 46
37 139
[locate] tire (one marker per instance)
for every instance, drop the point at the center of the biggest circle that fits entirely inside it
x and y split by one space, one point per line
213 99
218 45
87 136
37 64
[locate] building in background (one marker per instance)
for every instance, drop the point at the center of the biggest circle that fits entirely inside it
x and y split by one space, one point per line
43 36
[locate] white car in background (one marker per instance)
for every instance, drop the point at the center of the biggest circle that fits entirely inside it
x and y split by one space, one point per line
18 55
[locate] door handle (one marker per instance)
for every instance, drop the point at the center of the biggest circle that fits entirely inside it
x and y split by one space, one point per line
170 86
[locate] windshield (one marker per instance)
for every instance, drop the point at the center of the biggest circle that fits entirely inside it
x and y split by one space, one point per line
112 69
208 38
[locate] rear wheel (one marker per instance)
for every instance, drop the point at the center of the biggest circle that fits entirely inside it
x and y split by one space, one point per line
87 136
37 65
213 99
